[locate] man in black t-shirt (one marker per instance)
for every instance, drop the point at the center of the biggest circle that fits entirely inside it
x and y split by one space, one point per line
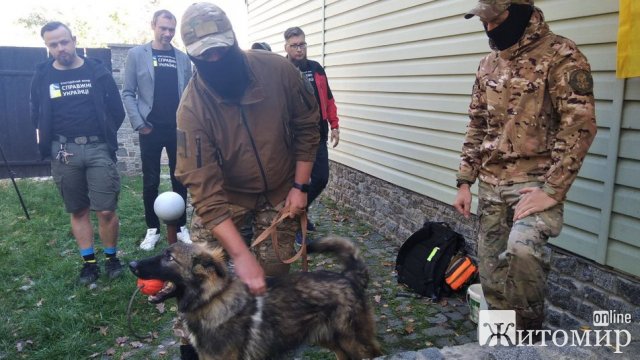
76 107
155 75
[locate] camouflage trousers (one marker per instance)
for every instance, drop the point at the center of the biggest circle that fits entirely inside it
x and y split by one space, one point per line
513 270
251 223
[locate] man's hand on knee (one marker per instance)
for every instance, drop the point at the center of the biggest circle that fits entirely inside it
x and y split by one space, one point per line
532 200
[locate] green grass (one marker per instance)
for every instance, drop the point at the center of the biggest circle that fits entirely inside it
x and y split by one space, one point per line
44 312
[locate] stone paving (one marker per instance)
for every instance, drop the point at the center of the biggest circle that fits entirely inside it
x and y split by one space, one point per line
411 327
405 321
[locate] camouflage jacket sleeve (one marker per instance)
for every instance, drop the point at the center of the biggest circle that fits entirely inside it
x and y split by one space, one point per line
471 157
571 92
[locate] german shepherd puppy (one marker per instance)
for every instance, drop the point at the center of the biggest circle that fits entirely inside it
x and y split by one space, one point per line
227 322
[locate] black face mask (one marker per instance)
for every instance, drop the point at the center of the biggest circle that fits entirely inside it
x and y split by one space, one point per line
512 29
228 76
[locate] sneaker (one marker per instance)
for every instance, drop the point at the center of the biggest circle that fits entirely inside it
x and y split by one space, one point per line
113 267
89 273
183 235
298 243
150 239
311 226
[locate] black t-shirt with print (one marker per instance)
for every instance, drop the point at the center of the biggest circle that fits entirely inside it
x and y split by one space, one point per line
165 90
72 106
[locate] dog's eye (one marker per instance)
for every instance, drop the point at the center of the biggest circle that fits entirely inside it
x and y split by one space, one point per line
168 256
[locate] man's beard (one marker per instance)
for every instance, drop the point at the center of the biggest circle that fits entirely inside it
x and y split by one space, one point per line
65 59
300 64
228 76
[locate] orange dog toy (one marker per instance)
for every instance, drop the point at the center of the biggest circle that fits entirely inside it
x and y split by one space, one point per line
150 286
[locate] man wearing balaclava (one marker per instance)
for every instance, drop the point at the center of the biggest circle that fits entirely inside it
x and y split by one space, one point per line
532 120
247 139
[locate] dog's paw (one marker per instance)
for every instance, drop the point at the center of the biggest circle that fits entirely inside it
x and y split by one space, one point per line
165 293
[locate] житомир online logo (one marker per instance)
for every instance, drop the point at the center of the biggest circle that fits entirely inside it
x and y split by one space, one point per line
498 328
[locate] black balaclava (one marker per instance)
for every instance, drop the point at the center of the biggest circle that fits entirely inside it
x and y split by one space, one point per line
228 76
512 29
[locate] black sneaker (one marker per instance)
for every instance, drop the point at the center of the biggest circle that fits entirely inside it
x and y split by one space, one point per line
298 243
89 273
311 226
113 267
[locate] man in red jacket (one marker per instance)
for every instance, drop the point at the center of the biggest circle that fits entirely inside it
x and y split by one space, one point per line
296 49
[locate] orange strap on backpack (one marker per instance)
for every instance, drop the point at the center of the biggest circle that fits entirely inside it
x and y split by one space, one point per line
460 271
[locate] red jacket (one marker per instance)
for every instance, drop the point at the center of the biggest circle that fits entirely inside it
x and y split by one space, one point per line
328 107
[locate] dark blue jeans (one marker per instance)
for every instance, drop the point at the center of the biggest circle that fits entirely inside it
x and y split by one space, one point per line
151 146
319 173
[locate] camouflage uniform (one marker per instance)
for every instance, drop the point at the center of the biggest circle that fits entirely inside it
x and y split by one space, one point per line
251 223
532 120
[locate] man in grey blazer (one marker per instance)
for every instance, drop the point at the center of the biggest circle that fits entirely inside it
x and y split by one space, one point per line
156 73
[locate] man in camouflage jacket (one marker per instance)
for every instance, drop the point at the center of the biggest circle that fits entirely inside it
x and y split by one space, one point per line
532 120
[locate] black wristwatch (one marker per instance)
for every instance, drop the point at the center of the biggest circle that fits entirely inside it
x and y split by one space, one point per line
460 182
302 187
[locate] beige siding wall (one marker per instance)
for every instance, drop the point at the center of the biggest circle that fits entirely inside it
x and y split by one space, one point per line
402 72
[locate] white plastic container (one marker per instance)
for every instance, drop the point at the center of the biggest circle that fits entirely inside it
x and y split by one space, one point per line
476 301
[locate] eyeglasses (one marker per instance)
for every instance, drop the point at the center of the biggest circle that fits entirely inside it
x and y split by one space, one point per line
298 46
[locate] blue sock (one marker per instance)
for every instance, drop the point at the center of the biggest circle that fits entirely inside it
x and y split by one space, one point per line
88 255
110 252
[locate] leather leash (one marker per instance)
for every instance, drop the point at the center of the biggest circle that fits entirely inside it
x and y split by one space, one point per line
272 231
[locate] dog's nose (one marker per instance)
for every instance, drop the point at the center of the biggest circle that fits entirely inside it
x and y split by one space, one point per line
133 266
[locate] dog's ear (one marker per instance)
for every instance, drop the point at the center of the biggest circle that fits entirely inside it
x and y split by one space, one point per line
204 264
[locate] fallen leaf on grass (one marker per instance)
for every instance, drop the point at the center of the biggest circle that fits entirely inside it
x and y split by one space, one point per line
377 298
39 303
110 352
409 328
28 286
19 346
121 340
136 344
94 355
103 330
388 263
160 308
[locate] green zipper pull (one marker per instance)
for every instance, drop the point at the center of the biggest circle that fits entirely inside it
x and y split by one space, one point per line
433 253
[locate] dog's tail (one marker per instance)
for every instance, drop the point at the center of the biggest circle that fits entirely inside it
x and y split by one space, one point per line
355 267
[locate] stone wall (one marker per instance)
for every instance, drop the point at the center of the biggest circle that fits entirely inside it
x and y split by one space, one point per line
575 288
129 162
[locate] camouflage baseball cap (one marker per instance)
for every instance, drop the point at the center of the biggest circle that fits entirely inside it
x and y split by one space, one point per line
488 10
205 26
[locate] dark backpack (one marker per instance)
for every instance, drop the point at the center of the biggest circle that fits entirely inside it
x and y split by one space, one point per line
424 257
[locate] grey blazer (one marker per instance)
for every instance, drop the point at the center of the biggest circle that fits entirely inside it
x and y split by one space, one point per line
137 92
